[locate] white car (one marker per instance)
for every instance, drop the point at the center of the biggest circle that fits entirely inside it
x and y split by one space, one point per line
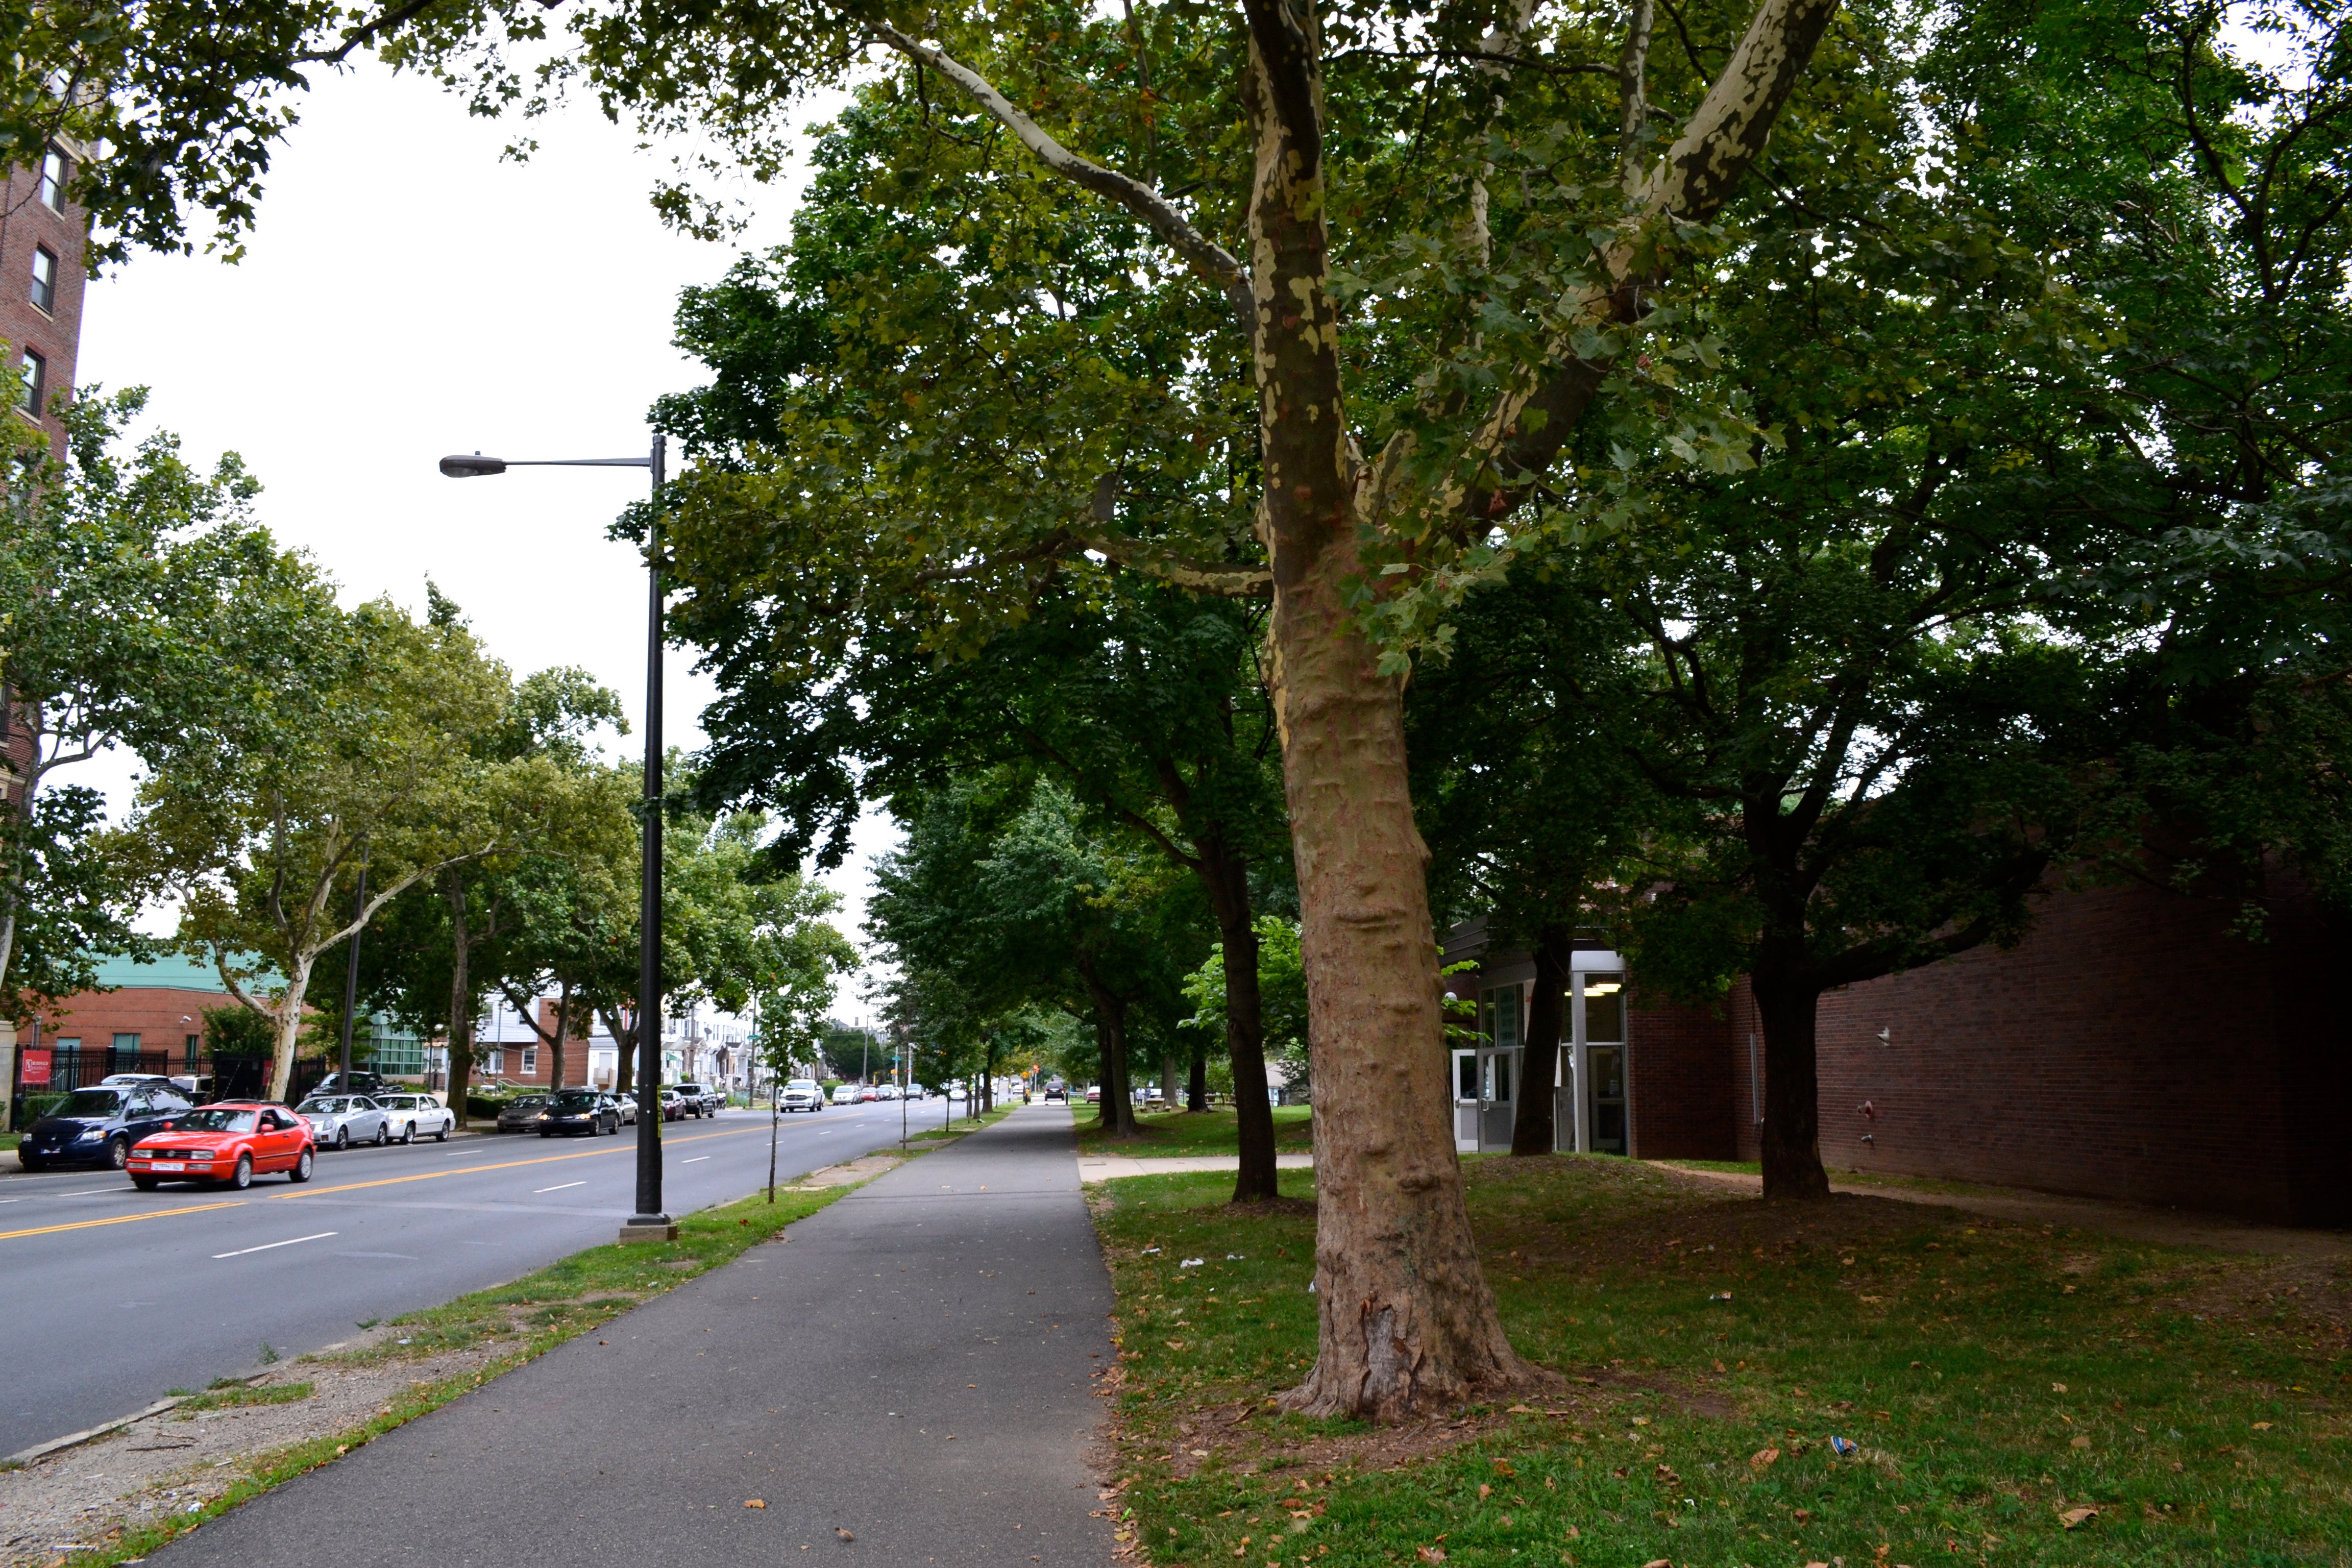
888 1091
628 1107
408 1117
803 1094
340 1120
845 1094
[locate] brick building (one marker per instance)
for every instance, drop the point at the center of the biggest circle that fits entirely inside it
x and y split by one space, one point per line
2133 1045
42 241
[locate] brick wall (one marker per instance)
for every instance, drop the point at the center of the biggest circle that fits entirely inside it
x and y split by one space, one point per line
2130 1048
27 223
1679 1062
162 1016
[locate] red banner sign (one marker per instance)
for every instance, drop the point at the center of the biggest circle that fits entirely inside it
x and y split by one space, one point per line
37 1066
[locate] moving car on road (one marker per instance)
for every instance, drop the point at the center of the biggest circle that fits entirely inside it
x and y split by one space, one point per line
802 1094
340 1120
368 1083
577 1111
230 1143
886 1091
844 1094
1058 1091
866 1091
98 1126
701 1099
408 1117
521 1113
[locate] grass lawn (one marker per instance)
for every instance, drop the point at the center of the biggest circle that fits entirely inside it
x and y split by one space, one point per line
1175 1132
1994 1380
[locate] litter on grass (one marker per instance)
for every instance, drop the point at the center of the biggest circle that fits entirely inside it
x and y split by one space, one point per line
1192 1263
1843 1447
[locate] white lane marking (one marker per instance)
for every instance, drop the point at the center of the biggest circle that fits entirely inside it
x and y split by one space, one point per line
695 1161
558 1189
265 1246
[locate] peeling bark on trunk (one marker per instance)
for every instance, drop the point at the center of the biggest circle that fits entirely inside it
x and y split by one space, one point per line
287 1018
1227 875
1407 1322
1786 1004
1532 1128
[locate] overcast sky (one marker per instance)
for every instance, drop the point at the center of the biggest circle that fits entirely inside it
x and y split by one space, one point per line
408 294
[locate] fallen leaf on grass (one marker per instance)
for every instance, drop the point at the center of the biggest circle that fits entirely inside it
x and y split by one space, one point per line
1503 1467
2078 1443
2075 1517
2261 1426
1657 1562
1666 1474
1431 1554
1763 1458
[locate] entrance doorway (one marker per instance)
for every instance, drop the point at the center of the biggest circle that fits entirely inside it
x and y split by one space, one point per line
1605 1071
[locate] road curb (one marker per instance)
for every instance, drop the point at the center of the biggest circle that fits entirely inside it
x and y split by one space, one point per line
23 1457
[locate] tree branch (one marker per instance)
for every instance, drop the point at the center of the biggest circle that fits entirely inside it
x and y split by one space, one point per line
1204 256
363 33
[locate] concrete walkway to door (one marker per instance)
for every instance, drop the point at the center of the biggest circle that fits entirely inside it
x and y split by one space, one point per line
907 1379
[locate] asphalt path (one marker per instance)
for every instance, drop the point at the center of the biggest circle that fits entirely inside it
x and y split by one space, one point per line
907 1379
112 1296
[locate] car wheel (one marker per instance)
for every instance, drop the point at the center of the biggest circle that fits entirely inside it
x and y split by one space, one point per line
301 1171
382 1135
408 1134
118 1153
146 1183
242 1177
442 1136
342 1138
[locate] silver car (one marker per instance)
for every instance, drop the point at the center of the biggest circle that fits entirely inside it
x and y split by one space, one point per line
340 1120
408 1117
628 1106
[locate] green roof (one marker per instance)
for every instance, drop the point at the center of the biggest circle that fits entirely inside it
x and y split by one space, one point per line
170 972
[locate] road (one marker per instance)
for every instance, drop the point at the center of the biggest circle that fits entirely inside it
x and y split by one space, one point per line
110 1296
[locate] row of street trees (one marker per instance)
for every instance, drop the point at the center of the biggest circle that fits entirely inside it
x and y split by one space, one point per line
295 753
1910 443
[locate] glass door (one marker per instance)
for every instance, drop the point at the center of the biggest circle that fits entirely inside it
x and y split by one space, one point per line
1497 1069
1466 1102
1606 1067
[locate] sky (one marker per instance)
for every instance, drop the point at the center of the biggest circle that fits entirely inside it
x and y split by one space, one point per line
407 294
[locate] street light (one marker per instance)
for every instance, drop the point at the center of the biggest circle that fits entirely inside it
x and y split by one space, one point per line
649 1223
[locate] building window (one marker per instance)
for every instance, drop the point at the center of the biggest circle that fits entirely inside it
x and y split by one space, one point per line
531 1061
193 1041
53 180
36 384
44 280
126 1042
69 1042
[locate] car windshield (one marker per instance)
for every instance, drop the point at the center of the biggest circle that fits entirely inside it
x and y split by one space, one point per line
216 1118
90 1102
530 1102
327 1107
576 1101
801 1083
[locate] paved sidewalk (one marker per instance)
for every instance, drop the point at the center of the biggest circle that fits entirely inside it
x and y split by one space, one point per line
913 1365
1092 1168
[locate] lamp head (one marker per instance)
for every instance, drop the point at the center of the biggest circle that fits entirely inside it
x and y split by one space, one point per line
462 466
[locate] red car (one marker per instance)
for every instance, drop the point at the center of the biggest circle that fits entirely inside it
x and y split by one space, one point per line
230 1143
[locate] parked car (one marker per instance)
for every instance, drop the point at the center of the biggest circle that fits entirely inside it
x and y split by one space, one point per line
340 1120
368 1083
673 1104
1060 1091
866 1092
627 1104
918 1092
408 1117
955 1092
885 1092
520 1114
1093 1095
230 1143
706 1099
802 1094
844 1094
98 1126
577 1111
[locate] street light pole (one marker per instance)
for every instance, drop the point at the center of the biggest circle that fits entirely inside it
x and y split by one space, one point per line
649 1223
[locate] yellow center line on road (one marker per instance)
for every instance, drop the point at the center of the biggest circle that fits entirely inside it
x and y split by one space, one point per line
507 1165
118 1219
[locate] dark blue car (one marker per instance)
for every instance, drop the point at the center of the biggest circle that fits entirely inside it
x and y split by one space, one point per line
98 1126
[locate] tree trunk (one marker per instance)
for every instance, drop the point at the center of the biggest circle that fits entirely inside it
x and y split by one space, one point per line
1786 1004
625 1041
1172 1078
1116 1110
1227 875
562 1034
461 1001
289 1019
1196 1088
1532 1129
1407 1320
